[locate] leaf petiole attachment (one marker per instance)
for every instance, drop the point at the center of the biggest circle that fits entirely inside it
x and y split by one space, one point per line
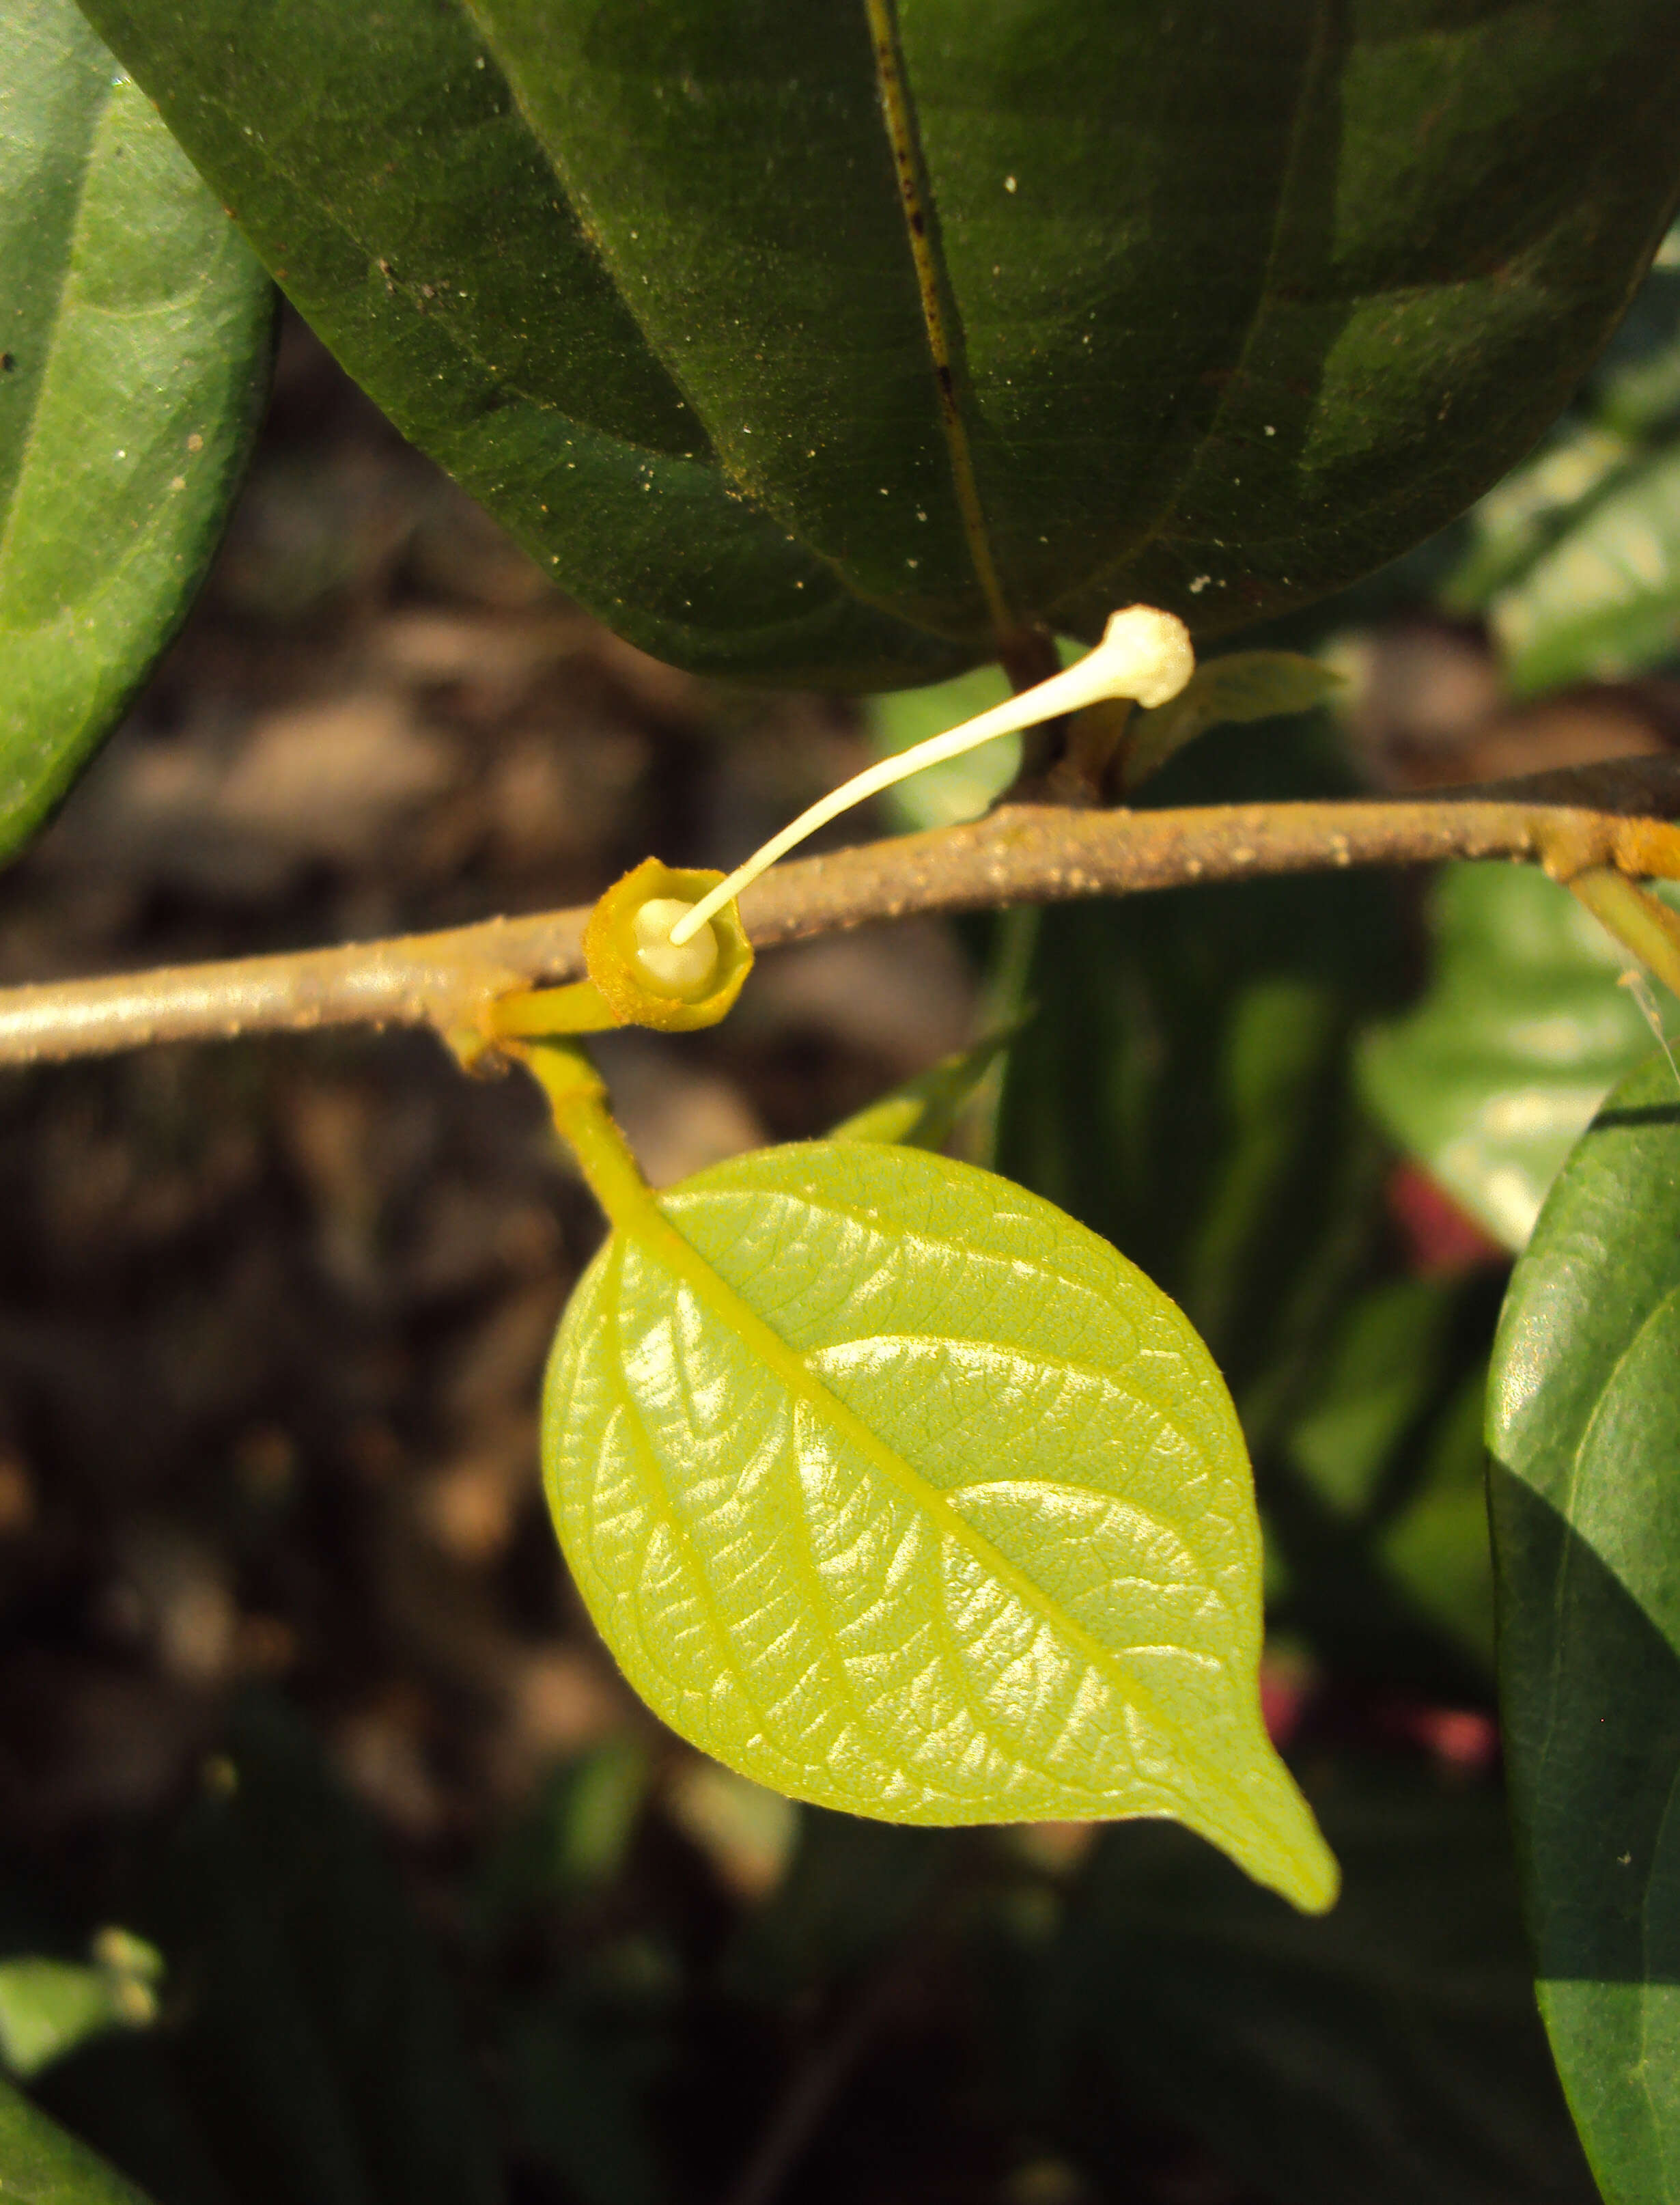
1635 917
639 975
578 1098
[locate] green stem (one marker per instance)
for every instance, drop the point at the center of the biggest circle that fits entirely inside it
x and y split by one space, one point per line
578 1008
577 1097
1641 924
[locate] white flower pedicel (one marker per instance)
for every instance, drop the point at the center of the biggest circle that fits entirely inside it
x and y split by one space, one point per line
1145 654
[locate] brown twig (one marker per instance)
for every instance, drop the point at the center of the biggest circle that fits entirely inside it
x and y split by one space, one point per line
1618 816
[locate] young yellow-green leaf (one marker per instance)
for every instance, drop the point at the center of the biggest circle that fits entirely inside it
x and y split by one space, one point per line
1243 686
134 350
1583 1424
893 1488
957 789
922 1112
1491 1078
49 2007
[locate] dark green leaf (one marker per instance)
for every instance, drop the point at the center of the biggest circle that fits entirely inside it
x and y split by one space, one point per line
1130 305
1186 1090
1387 2053
134 359
1584 1427
40 2164
575 2077
1491 1076
1435 1545
894 1489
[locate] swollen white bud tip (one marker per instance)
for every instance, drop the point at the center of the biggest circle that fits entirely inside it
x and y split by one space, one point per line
672 964
1146 653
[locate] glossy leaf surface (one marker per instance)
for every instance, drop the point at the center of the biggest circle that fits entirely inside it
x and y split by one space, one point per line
134 359
1604 600
1575 559
892 1488
1187 1087
833 343
1584 1428
1490 1079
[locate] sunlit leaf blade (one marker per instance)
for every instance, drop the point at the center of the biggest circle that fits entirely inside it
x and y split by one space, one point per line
895 1488
1532 509
1491 1076
41 2165
784 378
1574 557
1604 599
1584 1428
134 358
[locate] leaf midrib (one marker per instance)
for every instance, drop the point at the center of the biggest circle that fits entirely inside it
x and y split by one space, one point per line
660 1238
934 292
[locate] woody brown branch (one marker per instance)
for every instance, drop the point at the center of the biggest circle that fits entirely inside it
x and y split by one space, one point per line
1618 816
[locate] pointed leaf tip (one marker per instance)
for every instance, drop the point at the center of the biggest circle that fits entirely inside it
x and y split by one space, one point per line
892 1487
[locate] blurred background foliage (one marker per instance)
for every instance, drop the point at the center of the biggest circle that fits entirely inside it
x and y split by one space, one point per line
337 1864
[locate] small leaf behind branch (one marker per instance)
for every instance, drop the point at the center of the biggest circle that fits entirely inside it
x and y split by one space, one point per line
922 1112
892 1487
1244 684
